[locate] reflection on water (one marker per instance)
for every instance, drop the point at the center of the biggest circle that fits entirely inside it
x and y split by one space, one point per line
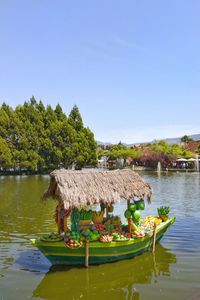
116 280
173 274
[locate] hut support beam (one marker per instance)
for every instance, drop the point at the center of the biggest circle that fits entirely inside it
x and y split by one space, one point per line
130 225
66 229
59 218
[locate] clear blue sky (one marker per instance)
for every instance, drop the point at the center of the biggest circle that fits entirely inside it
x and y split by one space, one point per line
132 67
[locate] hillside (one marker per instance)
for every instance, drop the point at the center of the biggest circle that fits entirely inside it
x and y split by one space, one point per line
176 140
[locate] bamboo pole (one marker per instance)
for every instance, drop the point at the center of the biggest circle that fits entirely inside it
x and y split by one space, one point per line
106 211
130 225
129 220
154 238
86 254
59 218
65 224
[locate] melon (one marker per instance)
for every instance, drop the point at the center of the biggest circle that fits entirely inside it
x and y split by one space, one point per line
141 204
127 214
136 215
132 207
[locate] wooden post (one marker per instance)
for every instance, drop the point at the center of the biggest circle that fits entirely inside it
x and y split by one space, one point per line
130 225
59 219
106 211
154 238
129 220
65 224
86 254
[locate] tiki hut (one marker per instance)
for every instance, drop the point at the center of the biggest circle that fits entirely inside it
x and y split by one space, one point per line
89 187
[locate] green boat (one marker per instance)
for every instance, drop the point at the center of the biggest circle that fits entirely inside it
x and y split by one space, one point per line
58 254
75 189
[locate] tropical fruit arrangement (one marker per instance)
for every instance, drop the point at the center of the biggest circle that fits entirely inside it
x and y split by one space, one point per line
109 228
90 234
163 212
85 214
133 210
73 244
106 238
119 237
72 240
97 217
113 220
52 237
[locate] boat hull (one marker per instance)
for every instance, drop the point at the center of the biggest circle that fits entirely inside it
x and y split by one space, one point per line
58 254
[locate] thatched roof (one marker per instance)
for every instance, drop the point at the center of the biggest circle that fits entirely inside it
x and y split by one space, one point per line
88 187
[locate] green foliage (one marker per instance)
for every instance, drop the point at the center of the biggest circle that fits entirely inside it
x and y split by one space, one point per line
173 150
36 138
186 139
5 154
100 152
122 152
198 149
75 119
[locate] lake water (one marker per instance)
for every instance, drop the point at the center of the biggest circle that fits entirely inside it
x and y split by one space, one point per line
172 273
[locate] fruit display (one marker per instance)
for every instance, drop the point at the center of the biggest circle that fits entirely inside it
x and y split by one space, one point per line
133 210
140 204
147 224
73 235
90 235
139 234
128 214
136 216
163 212
107 229
132 207
72 240
119 237
113 220
52 237
106 238
97 217
73 244
85 217
100 227
85 214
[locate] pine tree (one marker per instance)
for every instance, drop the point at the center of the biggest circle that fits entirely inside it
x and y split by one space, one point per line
75 119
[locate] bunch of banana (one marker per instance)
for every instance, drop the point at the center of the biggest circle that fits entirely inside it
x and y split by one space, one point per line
97 216
106 238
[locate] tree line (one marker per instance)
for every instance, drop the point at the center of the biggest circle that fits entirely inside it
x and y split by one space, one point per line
147 155
35 138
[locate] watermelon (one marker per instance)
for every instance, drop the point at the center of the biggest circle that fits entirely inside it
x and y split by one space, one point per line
141 204
127 214
132 207
136 215
137 204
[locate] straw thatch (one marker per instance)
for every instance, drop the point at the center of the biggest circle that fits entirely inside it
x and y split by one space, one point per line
88 187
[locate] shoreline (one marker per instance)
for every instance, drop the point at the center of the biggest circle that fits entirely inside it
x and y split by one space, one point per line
136 169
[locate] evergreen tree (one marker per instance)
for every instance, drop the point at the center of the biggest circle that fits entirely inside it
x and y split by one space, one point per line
5 155
35 138
75 119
